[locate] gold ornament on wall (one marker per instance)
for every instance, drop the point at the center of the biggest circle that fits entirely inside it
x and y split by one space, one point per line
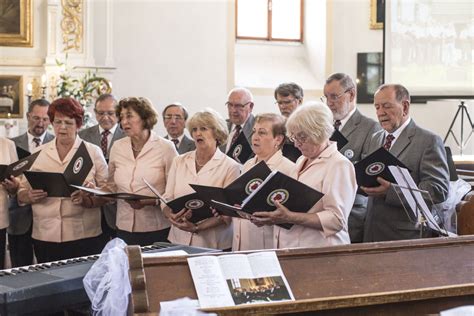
72 25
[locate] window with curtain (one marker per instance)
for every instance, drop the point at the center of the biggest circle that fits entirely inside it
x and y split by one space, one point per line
271 20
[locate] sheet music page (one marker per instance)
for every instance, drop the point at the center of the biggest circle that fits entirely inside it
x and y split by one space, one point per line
209 282
403 178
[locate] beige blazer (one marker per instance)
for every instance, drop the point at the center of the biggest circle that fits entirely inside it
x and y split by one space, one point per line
57 219
8 156
247 236
218 172
332 174
126 174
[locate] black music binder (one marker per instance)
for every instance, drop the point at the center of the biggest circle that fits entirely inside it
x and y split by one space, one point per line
240 150
239 189
376 165
17 168
339 139
58 184
296 196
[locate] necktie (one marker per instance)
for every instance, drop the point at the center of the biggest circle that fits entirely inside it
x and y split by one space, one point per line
176 142
237 130
37 141
337 124
388 141
104 142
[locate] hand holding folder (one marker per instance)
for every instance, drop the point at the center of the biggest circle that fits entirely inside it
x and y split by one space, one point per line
58 184
17 168
199 208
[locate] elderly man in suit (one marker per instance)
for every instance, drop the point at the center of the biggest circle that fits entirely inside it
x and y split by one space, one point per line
340 96
104 135
19 230
288 96
175 116
241 120
421 151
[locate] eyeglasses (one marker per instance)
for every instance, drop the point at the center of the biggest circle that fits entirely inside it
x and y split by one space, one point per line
169 117
237 106
66 124
333 97
104 113
298 138
285 102
39 119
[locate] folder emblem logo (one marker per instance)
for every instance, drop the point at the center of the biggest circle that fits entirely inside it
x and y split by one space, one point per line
374 168
78 165
20 165
194 204
349 153
237 151
280 195
252 185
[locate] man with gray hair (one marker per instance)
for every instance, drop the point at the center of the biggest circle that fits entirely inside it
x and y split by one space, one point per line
175 116
421 151
340 96
241 120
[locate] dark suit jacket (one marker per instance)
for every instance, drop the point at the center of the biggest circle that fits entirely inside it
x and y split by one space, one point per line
186 144
358 131
21 216
424 154
92 135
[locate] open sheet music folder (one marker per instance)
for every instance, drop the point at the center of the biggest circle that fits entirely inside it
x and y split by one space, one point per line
17 168
339 139
296 196
58 184
240 150
199 208
376 165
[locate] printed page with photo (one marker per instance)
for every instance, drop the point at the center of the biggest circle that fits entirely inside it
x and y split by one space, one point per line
237 279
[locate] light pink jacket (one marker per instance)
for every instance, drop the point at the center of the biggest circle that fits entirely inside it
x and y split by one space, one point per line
332 174
247 236
126 174
7 156
57 219
218 172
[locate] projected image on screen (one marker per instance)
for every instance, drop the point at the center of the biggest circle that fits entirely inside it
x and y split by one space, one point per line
429 46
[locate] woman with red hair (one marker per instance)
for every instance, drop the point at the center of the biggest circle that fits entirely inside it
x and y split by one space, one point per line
65 227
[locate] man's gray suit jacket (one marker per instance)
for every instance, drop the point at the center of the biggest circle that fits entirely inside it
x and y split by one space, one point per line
186 144
358 130
424 155
21 216
92 135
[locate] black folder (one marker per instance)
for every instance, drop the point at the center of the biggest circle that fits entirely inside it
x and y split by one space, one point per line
21 153
17 168
376 165
239 189
199 208
339 139
240 150
296 196
58 184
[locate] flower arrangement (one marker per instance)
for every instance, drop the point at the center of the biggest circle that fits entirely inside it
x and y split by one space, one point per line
85 89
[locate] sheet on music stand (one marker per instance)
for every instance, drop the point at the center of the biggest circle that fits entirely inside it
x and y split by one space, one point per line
410 192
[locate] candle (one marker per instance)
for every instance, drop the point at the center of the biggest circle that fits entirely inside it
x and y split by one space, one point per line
43 80
29 89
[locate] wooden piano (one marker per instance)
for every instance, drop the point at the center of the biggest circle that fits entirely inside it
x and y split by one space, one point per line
413 277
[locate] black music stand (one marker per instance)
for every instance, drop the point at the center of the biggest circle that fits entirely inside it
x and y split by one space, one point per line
463 110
